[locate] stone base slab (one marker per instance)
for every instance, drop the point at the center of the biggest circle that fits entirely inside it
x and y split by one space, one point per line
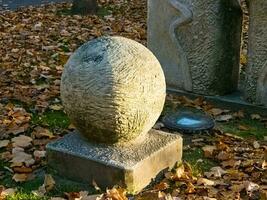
234 101
132 166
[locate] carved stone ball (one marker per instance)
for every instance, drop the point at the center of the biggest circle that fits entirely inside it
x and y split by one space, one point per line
113 89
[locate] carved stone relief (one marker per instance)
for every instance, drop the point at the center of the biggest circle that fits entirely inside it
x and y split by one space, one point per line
197 43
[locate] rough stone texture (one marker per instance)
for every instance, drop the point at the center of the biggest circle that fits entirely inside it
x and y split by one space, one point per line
197 43
256 74
113 89
131 166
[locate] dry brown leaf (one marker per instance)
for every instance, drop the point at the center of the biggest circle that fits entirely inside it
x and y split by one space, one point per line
40 132
243 128
206 182
24 170
255 116
39 154
224 155
22 141
240 114
7 192
20 177
190 188
117 194
216 172
215 111
4 143
231 163
256 144
179 172
161 186
209 150
49 182
56 107
250 186
224 118
20 157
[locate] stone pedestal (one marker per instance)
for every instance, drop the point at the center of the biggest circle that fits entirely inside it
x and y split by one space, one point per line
197 43
132 166
256 73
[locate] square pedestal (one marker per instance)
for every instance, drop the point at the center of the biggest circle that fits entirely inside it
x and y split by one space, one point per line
132 167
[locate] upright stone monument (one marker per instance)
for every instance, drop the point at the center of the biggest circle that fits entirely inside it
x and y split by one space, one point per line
113 89
256 72
197 43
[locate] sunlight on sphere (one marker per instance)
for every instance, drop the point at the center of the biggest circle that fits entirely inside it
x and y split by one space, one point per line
113 89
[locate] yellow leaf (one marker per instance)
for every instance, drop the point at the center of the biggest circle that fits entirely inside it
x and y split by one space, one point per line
20 177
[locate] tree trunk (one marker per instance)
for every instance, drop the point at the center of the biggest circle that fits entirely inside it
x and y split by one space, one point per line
84 7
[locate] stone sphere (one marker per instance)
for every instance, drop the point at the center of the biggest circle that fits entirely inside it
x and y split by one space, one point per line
113 89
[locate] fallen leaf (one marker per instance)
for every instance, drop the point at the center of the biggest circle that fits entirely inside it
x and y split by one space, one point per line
256 145
40 132
231 163
22 157
117 194
208 150
206 182
216 172
243 128
255 117
250 186
4 143
7 192
224 118
49 182
20 177
24 170
215 111
22 141
56 107
224 155
39 154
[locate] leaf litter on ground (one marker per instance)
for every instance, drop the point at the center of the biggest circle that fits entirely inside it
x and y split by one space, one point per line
31 65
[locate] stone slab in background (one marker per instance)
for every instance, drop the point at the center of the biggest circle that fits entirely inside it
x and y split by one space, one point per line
132 166
256 72
197 43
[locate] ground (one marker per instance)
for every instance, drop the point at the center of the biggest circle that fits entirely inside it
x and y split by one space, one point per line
229 162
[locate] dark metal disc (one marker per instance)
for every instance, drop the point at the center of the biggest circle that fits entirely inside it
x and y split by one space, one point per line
188 121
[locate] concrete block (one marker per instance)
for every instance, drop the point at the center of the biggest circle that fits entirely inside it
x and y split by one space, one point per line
132 166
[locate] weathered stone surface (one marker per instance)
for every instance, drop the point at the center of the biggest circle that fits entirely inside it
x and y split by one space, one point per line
256 73
197 43
132 166
113 89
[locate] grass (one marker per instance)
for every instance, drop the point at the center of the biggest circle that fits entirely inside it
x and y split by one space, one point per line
53 119
25 196
256 129
101 12
200 164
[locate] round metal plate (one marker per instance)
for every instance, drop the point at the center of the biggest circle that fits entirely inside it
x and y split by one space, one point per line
187 121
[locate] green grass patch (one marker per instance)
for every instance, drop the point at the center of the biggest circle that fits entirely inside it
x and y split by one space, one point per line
104 11
52 118
25 196
200 164
256 128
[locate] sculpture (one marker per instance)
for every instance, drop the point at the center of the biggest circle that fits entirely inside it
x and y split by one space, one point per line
197 43
113 89
256 71
186 17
